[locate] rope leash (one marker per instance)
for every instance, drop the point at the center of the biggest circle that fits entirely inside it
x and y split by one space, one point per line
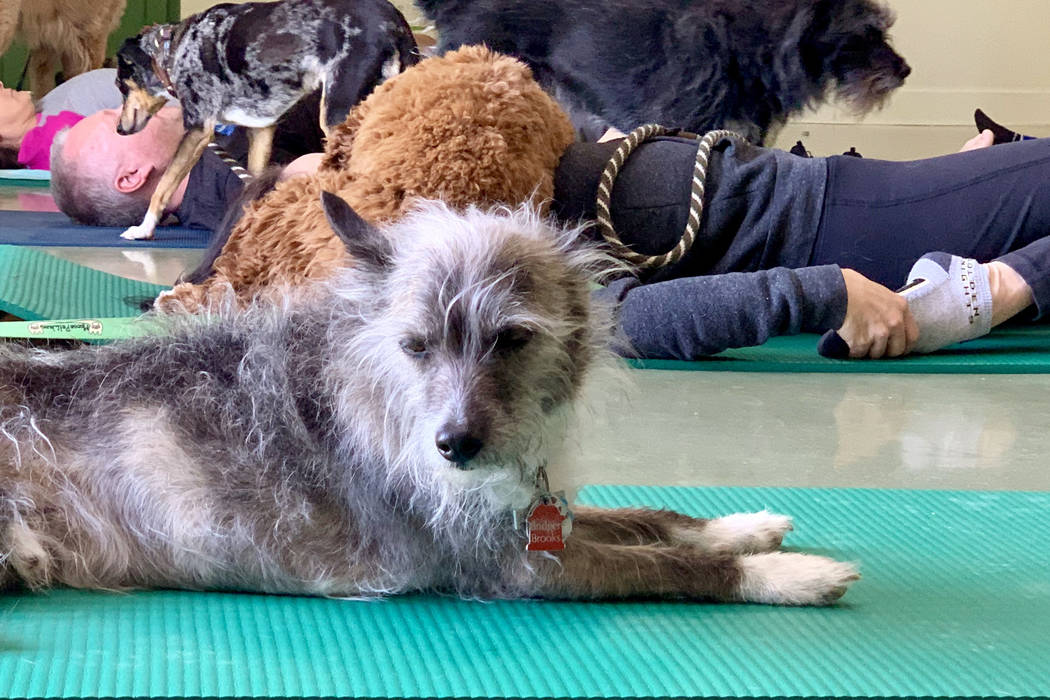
696 198
235 166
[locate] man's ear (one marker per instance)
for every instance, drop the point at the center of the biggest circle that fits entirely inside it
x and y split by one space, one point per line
132 177
365 243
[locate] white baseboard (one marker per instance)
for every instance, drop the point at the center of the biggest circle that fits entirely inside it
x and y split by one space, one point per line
946 107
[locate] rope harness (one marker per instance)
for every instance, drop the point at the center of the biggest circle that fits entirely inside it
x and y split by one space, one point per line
696 199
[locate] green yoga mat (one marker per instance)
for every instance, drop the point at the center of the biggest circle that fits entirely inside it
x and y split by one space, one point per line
1014 350
955 602
37 286
25 178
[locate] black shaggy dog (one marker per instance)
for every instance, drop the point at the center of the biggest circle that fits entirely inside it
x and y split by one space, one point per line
695 64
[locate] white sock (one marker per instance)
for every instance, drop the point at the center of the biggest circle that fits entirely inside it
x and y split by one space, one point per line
950 298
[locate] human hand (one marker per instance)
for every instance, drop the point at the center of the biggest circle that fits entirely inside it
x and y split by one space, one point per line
878 322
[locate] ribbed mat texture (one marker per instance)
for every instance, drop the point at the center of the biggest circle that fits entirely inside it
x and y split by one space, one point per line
1014 350
36 286
45 228
955 602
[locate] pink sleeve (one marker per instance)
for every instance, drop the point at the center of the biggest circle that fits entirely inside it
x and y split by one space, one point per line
36 144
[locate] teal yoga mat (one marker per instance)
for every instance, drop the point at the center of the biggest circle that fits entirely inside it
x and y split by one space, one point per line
1014 350
954 603
25 178
37 286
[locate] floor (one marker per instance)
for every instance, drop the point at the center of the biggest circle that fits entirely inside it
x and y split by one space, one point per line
158 266
736 429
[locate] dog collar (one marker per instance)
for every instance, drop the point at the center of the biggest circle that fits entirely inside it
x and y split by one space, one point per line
548 519
162 48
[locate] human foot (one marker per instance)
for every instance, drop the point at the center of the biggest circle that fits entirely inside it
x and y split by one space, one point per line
951 299
982 140
1000 133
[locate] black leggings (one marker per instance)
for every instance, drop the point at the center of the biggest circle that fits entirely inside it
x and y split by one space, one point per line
989 204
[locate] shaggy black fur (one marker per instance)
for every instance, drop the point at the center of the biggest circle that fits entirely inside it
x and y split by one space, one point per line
695 64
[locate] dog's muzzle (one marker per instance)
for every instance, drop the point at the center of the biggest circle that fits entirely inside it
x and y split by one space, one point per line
132 124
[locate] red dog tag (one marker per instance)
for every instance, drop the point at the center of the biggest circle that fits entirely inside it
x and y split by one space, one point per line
544 527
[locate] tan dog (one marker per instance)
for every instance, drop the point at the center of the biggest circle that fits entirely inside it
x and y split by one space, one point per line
66 34
470 127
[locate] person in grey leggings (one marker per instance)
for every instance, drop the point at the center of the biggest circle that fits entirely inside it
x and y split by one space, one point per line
790 244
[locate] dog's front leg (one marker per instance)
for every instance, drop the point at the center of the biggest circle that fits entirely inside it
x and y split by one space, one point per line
9 11
592 567
43 64
260 145
189 152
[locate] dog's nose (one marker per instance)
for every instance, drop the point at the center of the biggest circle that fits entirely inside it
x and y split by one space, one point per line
458 446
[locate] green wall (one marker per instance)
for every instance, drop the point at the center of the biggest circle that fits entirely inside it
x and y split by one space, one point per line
139 14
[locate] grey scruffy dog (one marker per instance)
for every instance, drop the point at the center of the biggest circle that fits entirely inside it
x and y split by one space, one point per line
375 437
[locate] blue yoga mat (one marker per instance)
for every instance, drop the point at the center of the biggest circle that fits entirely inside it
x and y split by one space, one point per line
39 228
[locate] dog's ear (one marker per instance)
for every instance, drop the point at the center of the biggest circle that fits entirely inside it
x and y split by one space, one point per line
130 58
365 243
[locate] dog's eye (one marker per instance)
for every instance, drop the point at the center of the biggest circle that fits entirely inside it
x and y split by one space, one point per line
510 339
414 347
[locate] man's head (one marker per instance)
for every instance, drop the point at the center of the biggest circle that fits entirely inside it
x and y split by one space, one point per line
101 178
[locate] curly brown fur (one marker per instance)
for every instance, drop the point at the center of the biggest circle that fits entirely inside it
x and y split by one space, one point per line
471 127
61 34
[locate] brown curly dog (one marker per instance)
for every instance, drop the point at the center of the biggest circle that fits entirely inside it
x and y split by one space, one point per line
469 127
66 35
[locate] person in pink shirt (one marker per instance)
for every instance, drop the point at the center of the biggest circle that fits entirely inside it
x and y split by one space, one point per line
27 128
26 134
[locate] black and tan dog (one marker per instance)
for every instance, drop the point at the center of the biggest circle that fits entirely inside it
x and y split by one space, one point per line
248 64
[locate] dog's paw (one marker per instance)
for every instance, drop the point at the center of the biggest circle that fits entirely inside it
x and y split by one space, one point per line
28 556
184 298
739 533
166 302
138 233
786 578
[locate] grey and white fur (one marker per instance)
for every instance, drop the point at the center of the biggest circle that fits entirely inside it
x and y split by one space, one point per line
374 437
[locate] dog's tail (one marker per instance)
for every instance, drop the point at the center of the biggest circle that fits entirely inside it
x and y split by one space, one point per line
255 189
